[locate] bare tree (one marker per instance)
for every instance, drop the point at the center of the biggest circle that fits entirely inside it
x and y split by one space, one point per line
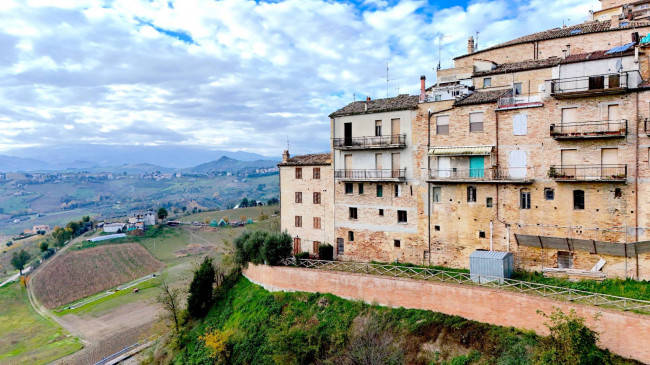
372 344
170 300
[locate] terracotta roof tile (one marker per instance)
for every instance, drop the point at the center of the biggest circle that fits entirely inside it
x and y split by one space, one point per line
307 160
401 102
483 97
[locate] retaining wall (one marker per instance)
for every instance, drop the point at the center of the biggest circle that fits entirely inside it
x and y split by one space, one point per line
626 334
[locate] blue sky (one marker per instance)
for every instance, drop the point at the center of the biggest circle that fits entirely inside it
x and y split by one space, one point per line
231 74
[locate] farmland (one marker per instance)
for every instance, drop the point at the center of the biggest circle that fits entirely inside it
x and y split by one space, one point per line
26 336
78 274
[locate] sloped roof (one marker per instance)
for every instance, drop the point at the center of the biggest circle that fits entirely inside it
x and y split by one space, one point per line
309 160
574 30
483 97
400 102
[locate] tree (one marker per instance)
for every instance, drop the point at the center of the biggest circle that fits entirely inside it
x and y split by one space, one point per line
44 246
20 259
276 248
244 203
200 295
60 236
162 214
170 301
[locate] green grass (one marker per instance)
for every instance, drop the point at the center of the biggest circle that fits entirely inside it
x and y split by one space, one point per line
28 338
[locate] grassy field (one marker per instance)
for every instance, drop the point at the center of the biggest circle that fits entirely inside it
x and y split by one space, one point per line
28 338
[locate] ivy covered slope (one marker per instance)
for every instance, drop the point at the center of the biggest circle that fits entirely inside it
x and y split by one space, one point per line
249 325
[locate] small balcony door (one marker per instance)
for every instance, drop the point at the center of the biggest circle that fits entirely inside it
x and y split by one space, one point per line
569 162
612 115
394 130
444 166
568 120
347 165
517 163
476 166
395 166
347 134
609 157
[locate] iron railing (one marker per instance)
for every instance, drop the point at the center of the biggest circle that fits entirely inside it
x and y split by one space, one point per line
518 101
483 174
605 172
463 278
392 141
590 83
595 129
371 175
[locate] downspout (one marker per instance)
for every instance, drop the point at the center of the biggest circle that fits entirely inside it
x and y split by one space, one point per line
496 118
636 185
428 183
335 243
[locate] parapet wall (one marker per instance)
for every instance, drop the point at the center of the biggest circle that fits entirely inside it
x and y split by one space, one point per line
626 334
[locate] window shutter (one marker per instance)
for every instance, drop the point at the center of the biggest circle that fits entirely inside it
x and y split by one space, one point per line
520 124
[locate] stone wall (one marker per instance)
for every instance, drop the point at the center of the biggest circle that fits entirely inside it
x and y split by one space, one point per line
623 333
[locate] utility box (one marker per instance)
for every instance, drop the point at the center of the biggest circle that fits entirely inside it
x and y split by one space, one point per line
486 266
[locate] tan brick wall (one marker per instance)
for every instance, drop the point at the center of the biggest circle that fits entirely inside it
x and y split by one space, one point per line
623 333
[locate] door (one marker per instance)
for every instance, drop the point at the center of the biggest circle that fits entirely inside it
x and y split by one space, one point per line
517 163
340 246
612 116
347 165
444 166
378 158
395 167
569 162
476 166
395 130
609 161
568 120
347 134
296 246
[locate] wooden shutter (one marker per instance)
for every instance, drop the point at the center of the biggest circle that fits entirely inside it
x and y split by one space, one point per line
315 247
296 246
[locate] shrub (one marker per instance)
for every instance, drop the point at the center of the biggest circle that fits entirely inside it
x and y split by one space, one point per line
326 252
277 247
44 246
260 247
302 256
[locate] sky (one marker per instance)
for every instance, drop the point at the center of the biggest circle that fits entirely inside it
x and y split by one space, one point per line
232 74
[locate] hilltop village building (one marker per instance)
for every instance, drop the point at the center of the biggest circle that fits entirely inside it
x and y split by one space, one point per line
539 146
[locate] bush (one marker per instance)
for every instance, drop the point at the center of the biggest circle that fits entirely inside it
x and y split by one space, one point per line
302 256
261 247
47 253
277 247
326 252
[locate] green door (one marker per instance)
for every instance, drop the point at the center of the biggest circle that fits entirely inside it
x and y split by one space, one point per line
476 168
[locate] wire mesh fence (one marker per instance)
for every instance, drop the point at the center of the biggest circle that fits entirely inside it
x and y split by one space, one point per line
463 278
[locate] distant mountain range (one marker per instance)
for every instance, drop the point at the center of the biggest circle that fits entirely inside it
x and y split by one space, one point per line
132 159
229 164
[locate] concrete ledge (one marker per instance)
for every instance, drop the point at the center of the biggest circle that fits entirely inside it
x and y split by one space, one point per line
626 334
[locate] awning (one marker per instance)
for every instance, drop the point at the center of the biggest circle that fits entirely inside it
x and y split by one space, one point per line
461 151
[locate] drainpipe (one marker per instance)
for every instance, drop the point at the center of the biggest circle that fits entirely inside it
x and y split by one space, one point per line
335 243
491 240
428 183
636 185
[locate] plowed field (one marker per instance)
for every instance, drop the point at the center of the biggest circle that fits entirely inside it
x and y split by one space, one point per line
78 274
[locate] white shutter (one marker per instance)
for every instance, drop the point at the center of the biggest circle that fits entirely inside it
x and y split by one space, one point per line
517 163
520 124
444 166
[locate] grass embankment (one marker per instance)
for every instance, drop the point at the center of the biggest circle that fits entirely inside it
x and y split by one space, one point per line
250 325
26 336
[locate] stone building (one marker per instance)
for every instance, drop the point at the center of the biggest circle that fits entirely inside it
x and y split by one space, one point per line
306 200
538 146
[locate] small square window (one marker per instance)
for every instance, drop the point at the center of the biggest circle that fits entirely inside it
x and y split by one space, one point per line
350 236
353 213
360 188
397 243
349 188
487 82
489 202
380 191
549 194
618 193
437 228
401 216
481 234
381 212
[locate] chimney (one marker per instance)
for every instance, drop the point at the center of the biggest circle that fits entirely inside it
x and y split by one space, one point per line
470 45
568 50
367 98
423 80
635 38
285 156
616 22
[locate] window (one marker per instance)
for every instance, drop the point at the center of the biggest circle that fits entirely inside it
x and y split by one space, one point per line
398 191
564 260
316 222
349 188
549 194
437 228
489 202
442 124
437 194
438 97
471 194
380 191
316 173
298 172
298 197
298 221
381 212
397 243
360 188
481 234
516 88
578 199
401 216
316 198
315 247
350 236
476 122
524 199
520 124
353 213
618 193
487 82
377 128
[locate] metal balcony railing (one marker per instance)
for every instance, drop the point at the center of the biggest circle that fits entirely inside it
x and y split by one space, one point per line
590 84
594 129
371 175
352 143
606 172
519 101
489 174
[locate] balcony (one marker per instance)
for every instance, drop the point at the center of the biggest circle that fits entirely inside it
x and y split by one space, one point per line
368 143
646 126
371 175
595 173
589 130
519 101
576 87
495 175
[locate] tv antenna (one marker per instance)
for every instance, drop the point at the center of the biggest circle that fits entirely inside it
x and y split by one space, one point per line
387 79
287 142
440 38
476 42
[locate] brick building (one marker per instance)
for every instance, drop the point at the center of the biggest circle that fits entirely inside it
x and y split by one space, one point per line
538 146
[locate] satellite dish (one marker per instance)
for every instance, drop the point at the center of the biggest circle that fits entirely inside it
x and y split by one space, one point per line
619 65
